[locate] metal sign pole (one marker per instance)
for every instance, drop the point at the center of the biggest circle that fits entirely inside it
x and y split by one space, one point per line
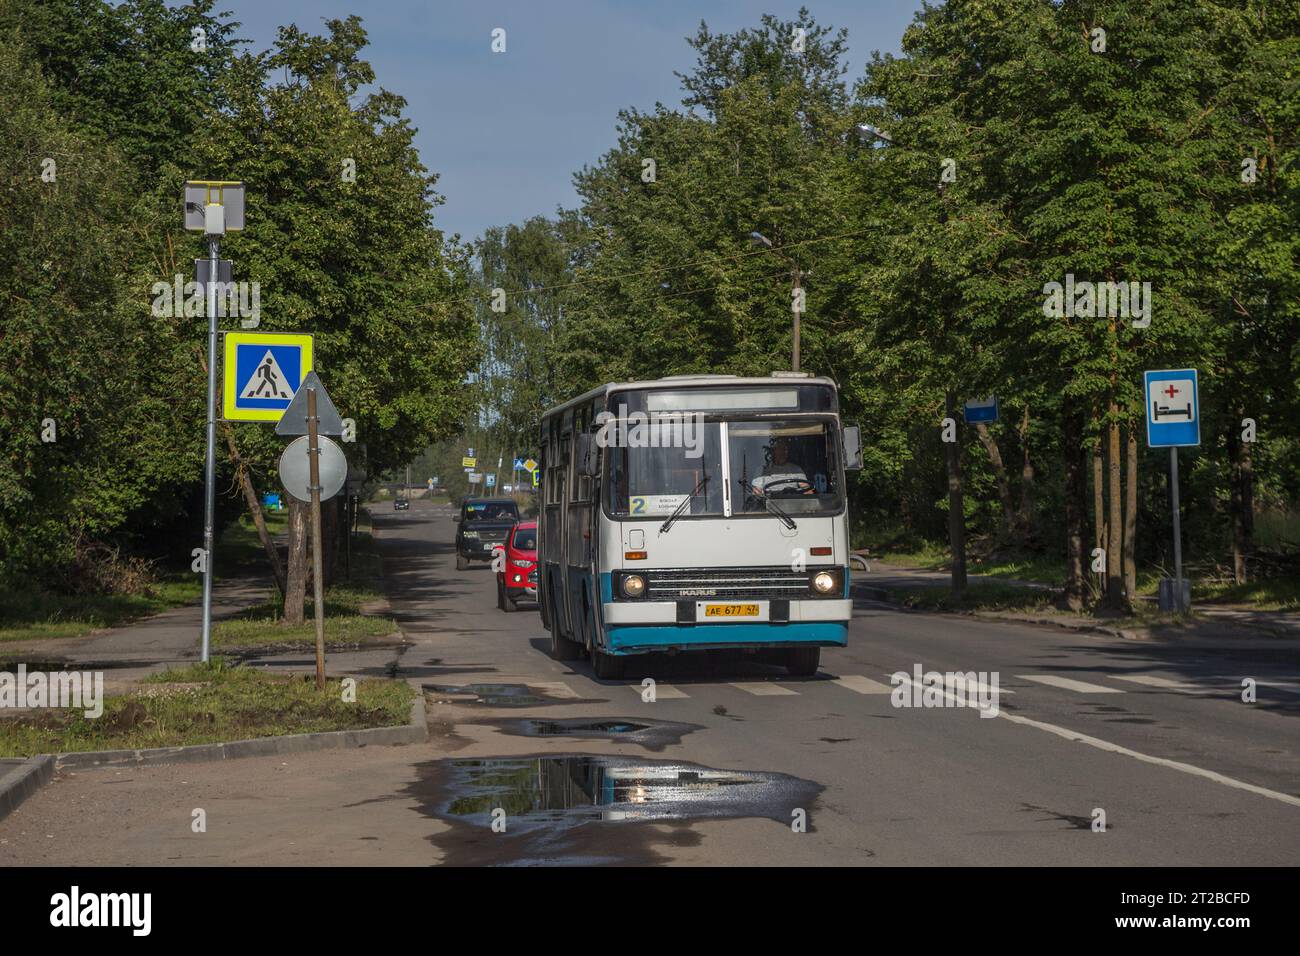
1178 535
210 465
317 565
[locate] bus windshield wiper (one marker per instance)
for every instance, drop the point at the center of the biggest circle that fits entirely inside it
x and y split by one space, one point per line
775 509
681 508
772 507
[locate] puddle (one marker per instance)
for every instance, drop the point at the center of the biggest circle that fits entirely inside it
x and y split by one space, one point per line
583 808
498 695
652 734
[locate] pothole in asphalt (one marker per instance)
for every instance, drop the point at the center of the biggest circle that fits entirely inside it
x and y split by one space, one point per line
497 695
651 734
567 807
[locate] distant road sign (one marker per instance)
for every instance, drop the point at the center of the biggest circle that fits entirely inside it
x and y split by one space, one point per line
475 477
518 464
530 465
262 372
982 410
295 469
1173 408
468 462
491 481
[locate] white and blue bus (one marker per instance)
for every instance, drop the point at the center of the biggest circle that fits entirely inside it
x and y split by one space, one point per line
695 513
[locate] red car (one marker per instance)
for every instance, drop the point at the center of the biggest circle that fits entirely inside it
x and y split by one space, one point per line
517 581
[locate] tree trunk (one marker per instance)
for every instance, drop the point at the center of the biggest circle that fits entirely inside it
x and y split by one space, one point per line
1099 507
1026 518
1004 483
329 515
1241 500
1076 506
295 596
1115 513
956 506
1131 517
255 509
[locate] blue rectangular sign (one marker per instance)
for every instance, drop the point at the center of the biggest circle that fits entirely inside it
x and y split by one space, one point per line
981 410
1173 408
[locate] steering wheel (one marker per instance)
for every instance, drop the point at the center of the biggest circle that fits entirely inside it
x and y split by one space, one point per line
800 486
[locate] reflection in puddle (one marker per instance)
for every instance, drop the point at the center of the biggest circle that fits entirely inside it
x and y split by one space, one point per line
494 695
577 728
572 789
652 734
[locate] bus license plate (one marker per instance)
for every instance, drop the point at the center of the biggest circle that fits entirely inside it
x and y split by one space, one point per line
731 610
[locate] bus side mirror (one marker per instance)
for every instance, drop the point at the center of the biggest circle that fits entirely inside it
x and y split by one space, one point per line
586 455
852 448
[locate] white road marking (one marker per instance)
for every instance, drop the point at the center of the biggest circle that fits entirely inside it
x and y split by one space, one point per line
1074 735
1162 682
556 688
984 687
760 689
1147 758
863 685
662 691
1066 683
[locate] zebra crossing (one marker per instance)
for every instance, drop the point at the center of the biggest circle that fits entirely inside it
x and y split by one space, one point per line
871 686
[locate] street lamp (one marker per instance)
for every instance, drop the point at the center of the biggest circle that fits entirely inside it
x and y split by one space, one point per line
796 298
868 132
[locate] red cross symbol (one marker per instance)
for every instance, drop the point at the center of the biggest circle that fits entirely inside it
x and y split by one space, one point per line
1170 391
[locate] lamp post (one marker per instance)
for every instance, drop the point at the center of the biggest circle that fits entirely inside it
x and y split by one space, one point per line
796 297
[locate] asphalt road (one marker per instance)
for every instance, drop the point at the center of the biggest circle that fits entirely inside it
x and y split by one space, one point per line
1154 734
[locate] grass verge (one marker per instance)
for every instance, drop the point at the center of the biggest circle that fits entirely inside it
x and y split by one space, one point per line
349 617
209 703
982 596
39 615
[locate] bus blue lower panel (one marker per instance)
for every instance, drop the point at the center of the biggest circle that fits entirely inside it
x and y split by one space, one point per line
639 638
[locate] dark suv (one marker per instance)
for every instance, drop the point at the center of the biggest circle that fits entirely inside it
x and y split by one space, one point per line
483 526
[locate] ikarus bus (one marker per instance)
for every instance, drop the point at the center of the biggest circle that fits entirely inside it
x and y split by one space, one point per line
695 513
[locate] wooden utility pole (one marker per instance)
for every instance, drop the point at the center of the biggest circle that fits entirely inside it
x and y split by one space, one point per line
318 588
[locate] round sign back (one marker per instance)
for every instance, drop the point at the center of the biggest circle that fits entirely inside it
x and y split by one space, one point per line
295 468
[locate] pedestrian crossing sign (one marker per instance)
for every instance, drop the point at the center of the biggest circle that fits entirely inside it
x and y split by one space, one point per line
262 372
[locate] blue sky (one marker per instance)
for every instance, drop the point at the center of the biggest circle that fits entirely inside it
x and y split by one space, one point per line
505 132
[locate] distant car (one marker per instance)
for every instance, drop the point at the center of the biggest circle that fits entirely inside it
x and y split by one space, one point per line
401 504
517 580
483 525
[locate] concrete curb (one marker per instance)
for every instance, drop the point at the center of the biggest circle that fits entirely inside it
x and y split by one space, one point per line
28 777
24 780
412 732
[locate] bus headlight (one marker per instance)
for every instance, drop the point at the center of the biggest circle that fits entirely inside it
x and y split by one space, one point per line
632 585
824 582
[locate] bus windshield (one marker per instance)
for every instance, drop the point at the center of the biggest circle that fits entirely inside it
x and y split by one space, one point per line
649 481
792 462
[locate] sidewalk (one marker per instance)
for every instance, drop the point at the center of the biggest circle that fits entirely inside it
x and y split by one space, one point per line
1210 621
132 651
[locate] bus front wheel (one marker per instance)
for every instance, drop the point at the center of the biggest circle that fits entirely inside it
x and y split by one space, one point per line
803 661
